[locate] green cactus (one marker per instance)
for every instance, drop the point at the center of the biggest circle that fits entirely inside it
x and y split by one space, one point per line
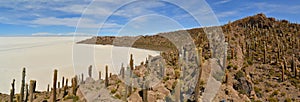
282 72
131 62
12 91
63 82
31 90
90 71
22 85
106 76
74 85
197 88
26 93
99 75
54 85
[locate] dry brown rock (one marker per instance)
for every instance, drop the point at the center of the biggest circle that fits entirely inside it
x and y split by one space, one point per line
170 83
151 96
161 90
170 72
140 71
135 97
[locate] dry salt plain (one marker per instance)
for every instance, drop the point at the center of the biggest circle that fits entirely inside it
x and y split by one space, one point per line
41 55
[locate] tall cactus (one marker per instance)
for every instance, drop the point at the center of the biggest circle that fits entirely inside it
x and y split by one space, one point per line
106 76
232 53
294 66
226 77
284 63
63 82
131 62
82 77
90 71
293 63
282 72
65 88
74 85
26 93
54 85
48 88
22 85
12 91
265 52
58 86
197 88
145 90
99 75
31 87
122 71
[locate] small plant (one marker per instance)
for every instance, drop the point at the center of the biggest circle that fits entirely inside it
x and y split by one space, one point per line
271 99
239 74
229 66
283 94
235 67
249 61
257 90
288 100
275 93
113 91
118 96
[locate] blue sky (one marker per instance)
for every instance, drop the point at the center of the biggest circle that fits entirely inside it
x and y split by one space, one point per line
122 17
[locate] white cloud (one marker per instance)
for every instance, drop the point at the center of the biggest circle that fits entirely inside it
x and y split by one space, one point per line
61 34
221 2
227 13
72 22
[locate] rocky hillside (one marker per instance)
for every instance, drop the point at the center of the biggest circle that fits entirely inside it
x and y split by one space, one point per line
262 62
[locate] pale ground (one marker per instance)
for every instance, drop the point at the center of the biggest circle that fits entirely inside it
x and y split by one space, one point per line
40 55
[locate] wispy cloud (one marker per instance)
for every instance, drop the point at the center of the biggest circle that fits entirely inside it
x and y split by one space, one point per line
221 2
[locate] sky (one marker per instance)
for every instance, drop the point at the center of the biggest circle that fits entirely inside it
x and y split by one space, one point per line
125 17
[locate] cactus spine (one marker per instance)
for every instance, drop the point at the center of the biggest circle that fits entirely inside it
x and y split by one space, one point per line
106 76
54 85
22 85
12 91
